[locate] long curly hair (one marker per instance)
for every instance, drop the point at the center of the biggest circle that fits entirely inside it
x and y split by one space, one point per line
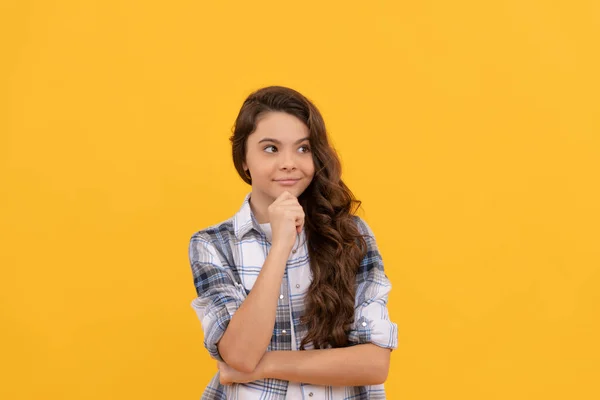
335 245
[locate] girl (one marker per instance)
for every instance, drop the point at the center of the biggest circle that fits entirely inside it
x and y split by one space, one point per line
291 290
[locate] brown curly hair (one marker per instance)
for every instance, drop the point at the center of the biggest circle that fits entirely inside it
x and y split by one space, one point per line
335 245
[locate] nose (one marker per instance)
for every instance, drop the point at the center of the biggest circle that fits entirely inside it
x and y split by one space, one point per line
287 162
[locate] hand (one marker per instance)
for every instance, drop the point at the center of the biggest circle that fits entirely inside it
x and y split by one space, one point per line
228 375
287 219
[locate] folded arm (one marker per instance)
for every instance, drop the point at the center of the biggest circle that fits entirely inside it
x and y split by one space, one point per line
361 365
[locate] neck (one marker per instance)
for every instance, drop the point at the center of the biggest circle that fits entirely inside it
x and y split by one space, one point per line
259 206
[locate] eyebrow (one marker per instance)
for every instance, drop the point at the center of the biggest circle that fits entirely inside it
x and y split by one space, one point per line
278 142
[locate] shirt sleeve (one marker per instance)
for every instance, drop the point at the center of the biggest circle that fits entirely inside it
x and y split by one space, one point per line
219 295
371 322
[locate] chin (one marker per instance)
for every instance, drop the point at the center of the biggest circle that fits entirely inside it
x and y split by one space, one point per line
293 190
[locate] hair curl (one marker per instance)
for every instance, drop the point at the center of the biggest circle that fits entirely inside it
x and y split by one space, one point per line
335 245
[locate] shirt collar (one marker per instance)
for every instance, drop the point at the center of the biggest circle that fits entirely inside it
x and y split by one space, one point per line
244 220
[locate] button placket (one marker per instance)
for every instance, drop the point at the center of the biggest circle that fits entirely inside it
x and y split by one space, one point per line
283 311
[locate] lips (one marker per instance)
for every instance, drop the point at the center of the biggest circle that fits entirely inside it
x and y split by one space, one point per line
287 181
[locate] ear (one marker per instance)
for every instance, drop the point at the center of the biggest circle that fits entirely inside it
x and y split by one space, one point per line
244 166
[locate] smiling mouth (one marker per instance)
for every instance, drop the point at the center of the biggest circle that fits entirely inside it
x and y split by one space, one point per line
286 182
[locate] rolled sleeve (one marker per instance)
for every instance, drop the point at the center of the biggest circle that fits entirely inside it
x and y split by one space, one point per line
372 323
219 296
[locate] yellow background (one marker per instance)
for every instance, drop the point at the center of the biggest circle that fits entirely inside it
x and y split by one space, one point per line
469 129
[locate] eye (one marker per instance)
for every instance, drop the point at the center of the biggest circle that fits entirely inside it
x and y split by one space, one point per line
306 149
270 147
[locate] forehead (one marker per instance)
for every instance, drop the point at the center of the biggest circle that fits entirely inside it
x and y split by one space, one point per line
281 126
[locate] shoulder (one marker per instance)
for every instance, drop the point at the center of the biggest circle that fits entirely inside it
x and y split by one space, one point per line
372 257
216 238
215 232
363 228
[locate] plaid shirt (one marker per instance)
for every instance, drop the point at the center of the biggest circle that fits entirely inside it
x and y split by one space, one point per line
226 259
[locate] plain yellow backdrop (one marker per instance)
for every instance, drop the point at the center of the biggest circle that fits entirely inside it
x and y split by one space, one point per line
469 129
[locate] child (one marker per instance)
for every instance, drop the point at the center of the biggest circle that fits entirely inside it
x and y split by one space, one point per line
291 290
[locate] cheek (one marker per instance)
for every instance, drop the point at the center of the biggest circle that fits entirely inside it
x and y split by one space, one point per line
254 160
263 169
309 167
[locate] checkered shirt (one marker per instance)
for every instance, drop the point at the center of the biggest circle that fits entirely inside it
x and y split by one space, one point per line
226 259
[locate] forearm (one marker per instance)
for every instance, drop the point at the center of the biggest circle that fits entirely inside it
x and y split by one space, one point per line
251 327
360 365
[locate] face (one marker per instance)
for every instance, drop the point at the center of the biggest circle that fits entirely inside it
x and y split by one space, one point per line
279 157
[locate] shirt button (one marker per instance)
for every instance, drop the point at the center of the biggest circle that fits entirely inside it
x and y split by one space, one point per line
293 251
310 394
281 296
283 331
297 286
364 324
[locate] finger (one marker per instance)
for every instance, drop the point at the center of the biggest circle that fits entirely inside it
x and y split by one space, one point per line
296 216
285 195
288 211
286 202
289 205
299 224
